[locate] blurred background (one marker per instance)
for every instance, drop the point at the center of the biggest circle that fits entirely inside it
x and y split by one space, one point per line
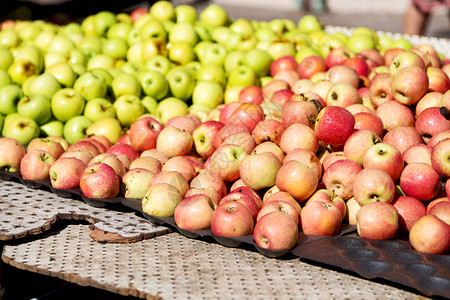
383 15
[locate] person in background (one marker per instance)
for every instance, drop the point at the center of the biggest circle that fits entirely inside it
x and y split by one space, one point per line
317 6
418 14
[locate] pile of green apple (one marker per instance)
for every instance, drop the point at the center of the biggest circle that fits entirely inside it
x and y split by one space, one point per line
241 126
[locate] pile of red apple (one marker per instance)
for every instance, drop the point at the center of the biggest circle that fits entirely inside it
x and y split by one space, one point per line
344 132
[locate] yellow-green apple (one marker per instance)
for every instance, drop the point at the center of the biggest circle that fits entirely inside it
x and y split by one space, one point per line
440 154
339 177
81 154
228 130
173 178
369 121
232 219
259 170
181 83
329 197
128 109
430 99
182 165
204 136
306 157
149 163
160 200
111 160
334 125
208 93
431 122
297 179
125 149
76 128
144 132
91 85
99 180
352 210
214 15
45 85
247 114
21 128
409 211
52 128
300 112
417 153
208 180
243 139
302 86
276 231
377 221
394 114
35 165
385 157
67 103
409 84
342 94
342 74
108 127
99 108
173 142
153 83
251 94
299 136
358 143
430 235
194 213
420 180
320 218
441 210
170 107
36 107
65 173
406 59
373 185
224 162
269 147
51 146
403 137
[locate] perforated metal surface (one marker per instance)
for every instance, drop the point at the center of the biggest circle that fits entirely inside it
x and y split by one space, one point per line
25 211
175 267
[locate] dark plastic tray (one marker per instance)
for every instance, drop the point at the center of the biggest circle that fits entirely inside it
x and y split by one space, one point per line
394 261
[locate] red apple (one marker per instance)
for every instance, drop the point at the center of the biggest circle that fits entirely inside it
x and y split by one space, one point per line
417 153
403 137
155 154
334 125
85 145
251 94
306 157
232 219
227 111
394 114
409 84
441 210
226 131
194 213
377 221
339 177
385 157
380 89
211 193
430 235
299 136
373 185
11 153
111 160
268 130
209 180
149 163
276 231
299 112
184 123
247 114
65 173
182 165
173 178
125 149
320 218
52 147
143 133
284 197
431 122
225 162
282 97
99 181
281 206
440 155
311 65
409 211
244 199
204 136
83 155
420 180
287 62
35 165
358 143
242 139
297 179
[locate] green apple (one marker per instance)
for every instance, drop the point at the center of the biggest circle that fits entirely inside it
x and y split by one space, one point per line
91 85
90 45
402 43
242 26
304 52
200 111
6 59
22 129
221 34
359 42
53 57
234 59
107 127
242 75
153 84
152 29
159 63
193 67
52 128
115 48
279 48
32 54
125 83
181 53
45 84
265 34
150 105
171 107
232 93
309 23
213 54
162 10
181 83
102 21
100 60
43 38
211 72
9 38
4 78
2 121
128 109
105 74
67 103
76 128
258 60
99 108
36 107
20 70
183 32
87 24
214 15
119 31
329 43
207 93
245 42
60 43
10 95
185 13
203 32
77 57
64 73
